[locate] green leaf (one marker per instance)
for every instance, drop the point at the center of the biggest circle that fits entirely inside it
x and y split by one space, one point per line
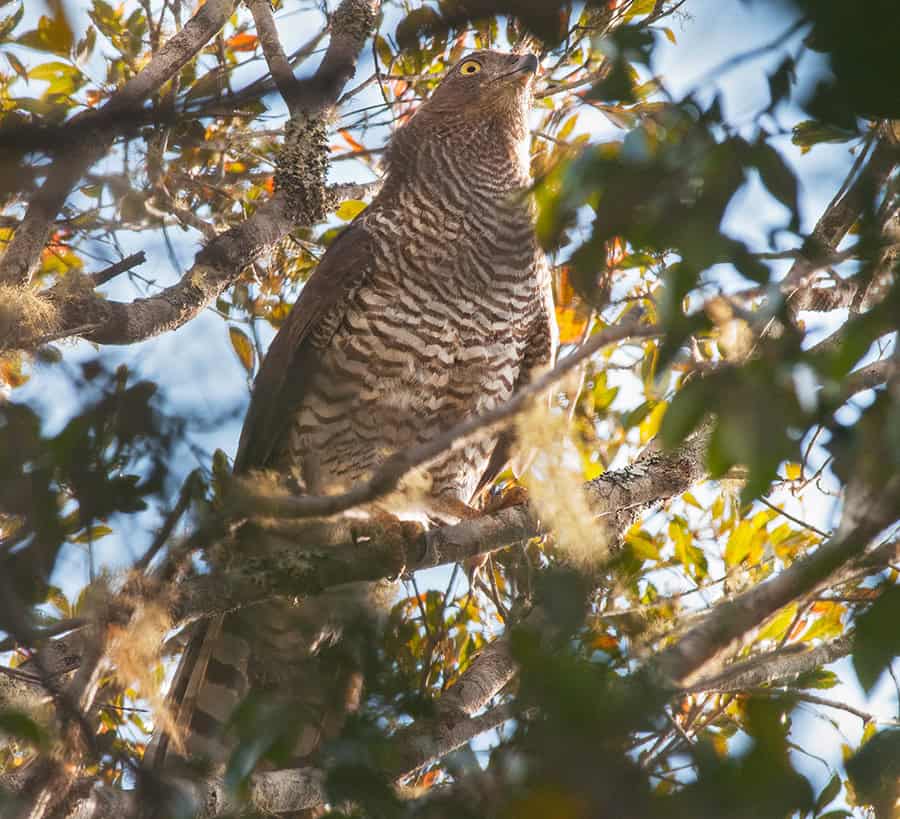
602 394
821 679
877 640
811 132
208 85
829 792
63 79
7 24
53 34
643 547
350 209
685 413
638 414
21 726
106 18
17 66
383 49
875 769
778 178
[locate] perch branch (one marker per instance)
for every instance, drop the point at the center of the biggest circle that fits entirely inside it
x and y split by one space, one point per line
23 253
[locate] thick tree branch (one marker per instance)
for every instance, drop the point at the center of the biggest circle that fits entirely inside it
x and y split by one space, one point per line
781 666
221 261
860 292
422 743
304 559
291 790
279 67
23 253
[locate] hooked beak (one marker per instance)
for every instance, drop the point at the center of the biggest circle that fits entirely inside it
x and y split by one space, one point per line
528 64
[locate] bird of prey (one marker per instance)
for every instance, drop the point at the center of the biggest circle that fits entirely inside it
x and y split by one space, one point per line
432 306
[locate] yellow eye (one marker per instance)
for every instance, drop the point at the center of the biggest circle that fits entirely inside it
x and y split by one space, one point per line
470 67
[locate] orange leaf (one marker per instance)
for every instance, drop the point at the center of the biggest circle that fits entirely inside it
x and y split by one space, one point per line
354 145
269 184
604 642
798 629
11 371
565 293
242 42
615 251
427 780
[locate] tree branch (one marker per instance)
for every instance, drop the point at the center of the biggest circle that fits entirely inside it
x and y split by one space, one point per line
304 559
23 253
279 67
222 260
780 666
863 518
839 217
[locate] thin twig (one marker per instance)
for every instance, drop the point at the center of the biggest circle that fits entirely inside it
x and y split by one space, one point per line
865 716
103 276
184 499
796 520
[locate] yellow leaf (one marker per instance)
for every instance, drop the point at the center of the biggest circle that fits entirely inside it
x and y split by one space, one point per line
739 544
52 34
690 500
793 471
571 325
650 425
61 78
350 209
243 347
643 547
567 128
719 743
670 36
639 7
779 624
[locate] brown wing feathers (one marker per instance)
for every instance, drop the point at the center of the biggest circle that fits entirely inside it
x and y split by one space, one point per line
286 369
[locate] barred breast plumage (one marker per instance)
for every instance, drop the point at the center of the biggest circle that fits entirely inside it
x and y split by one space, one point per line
446 320
431 307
